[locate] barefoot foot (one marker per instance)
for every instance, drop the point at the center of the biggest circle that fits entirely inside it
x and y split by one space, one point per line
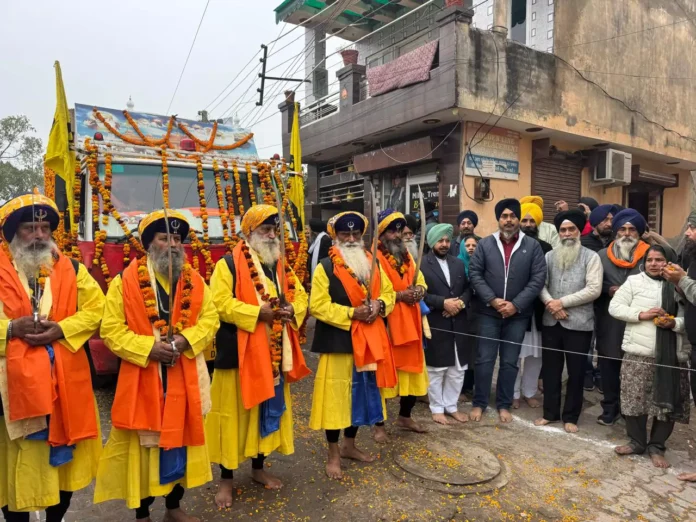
223 497
178 515
659 461
266 479
505 416
407 423
440 418
687 477
515 404
570 427
543 422
379 434
333 463
349 451
459 416
624 450
476 414
532 402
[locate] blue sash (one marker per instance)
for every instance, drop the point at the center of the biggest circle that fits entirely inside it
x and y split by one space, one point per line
366 409
272 410
172 465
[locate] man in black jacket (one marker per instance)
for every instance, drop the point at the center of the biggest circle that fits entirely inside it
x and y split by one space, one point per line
600 219
507 272
447 355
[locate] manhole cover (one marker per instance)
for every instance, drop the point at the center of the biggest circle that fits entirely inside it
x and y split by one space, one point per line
449 462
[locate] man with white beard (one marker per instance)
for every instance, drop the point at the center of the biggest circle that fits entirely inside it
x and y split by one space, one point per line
409 235
49 424
573 282
258 353
622 258
356 359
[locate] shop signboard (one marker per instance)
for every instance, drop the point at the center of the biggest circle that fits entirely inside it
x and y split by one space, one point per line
431 192
492 152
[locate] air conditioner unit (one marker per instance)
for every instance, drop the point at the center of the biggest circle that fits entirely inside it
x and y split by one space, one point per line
613 167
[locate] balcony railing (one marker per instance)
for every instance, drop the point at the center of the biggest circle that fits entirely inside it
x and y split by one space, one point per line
319 109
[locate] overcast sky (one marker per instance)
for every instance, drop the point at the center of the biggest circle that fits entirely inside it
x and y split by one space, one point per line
109 50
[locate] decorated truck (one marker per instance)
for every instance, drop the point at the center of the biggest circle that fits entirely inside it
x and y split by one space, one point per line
130 163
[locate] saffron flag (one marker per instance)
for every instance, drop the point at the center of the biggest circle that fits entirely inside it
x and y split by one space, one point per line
296 183
59 157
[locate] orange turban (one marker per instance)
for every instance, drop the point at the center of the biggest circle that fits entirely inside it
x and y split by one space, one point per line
256 216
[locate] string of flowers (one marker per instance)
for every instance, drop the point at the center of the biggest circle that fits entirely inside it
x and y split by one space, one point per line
238 188
49 183
150 299
289 247
144 141
206 146
126 254
195 249
337 260
230 205
221 207
269 197
75 225
165 177
107 188
98 260
250 182
204 221
400 267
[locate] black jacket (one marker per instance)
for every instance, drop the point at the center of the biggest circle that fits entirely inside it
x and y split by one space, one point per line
440 349
609 330
526 274
538 303
593 242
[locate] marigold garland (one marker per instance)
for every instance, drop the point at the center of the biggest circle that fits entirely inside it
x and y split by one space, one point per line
126 254
150 299
238 188
400 267
337 260
165 177
250 182
204 221
230 205
206 146
221 207
144 141
49 183
266 184
107 188
75 225
195 249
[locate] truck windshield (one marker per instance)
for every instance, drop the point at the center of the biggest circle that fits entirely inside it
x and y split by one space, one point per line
136 190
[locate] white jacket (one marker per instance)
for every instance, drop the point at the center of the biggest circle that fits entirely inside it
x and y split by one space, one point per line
639 294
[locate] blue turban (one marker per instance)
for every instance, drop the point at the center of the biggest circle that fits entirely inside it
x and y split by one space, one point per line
467 214
390 219
437 232
600 213
631 216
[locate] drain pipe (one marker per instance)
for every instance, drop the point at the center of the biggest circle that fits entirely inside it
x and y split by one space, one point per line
501 16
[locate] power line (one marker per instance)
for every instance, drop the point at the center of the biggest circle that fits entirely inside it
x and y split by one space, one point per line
188 56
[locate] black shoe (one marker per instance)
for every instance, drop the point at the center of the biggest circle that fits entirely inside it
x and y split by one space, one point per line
589 382
605 420
598 384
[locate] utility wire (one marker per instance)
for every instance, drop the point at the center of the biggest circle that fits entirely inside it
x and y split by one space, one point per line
188 56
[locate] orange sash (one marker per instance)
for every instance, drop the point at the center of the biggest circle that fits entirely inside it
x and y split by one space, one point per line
255 368
35 389
638 254
139 403
405 324
370 341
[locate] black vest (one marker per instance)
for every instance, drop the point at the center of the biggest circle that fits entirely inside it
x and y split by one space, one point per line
690 313
226 347
327 338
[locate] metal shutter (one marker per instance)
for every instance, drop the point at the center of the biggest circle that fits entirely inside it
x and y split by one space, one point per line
555 179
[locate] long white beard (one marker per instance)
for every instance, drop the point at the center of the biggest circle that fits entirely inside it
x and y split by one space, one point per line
567 254
626 246
30 259
412 248
159 257
354 256
268 250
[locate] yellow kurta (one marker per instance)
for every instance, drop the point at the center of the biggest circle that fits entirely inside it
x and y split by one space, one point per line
411 383
232 432
332 397
27 481
128 470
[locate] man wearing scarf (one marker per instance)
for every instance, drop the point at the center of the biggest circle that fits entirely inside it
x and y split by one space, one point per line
527 383
157 442
50 439
600 220
321 242
547 232
622 258
251 413
356 358
573 282
467 221
654 373
448 354
404 323
507 272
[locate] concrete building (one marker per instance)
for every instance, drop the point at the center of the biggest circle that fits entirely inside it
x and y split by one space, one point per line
472 116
